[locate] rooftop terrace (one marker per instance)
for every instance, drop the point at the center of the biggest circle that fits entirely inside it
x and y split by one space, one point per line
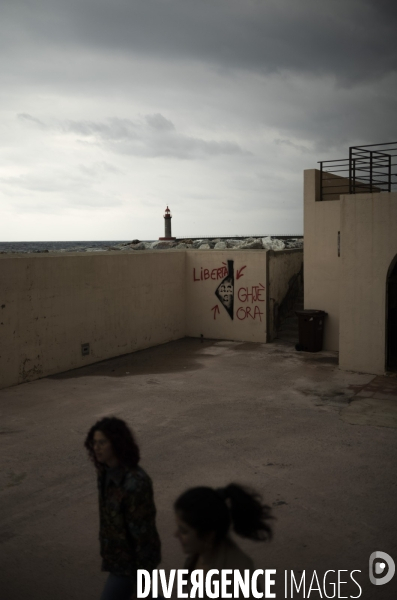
370 168
317 442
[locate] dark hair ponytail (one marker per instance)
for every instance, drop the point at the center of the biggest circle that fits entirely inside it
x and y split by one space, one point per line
208 510
247 512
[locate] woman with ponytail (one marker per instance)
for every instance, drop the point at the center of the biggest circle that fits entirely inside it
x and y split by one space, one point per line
204 518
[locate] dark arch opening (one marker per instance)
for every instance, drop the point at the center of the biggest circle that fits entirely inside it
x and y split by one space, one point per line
391 317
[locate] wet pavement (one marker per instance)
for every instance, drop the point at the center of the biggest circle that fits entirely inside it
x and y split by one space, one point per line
317 442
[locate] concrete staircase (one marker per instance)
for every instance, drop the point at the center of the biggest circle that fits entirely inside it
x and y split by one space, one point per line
288 333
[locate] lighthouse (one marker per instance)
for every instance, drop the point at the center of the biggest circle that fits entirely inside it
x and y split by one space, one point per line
167 225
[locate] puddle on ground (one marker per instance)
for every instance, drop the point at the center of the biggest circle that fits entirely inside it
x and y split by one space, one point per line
371 411
5 431
249 346
15 479
327 360
6 535
181 355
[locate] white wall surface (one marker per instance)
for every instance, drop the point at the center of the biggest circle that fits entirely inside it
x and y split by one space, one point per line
54 303
368 246
320 257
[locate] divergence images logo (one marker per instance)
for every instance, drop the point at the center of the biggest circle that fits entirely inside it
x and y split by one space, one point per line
382 564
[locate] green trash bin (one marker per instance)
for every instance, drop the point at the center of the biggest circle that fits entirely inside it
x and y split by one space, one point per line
311 330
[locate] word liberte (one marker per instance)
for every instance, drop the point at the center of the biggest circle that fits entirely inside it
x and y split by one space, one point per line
229 585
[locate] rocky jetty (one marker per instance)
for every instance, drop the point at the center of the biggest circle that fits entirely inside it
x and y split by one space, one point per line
242 243
265 243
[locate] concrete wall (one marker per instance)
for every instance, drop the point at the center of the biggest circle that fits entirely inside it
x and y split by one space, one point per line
368 246
209 315
51 304
284 285
333 186
118 303
321 261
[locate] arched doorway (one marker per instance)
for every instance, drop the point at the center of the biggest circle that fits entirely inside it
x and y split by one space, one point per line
391 316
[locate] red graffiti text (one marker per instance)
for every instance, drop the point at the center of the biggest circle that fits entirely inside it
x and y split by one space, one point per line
249 311
251 294
214 274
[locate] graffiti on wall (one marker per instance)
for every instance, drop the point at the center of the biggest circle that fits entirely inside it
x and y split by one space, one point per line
249 296
203 274
225 290
244 302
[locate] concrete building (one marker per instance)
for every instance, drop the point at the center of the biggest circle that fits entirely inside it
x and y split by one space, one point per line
350 257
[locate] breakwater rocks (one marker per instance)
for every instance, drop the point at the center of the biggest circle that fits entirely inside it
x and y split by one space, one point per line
265 243
241 243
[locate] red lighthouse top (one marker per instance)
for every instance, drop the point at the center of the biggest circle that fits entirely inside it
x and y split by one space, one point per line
167 214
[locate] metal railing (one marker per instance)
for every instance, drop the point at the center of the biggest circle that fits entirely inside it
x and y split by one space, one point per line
370 168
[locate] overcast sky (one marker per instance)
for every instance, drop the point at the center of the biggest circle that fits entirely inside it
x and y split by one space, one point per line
110 110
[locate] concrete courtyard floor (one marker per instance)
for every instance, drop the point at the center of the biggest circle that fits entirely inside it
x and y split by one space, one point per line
317 442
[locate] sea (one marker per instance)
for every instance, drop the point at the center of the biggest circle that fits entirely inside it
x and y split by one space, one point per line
56 246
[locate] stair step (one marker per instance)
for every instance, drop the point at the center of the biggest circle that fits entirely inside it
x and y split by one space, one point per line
288 331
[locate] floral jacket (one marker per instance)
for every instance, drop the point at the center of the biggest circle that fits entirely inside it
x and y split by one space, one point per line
128 535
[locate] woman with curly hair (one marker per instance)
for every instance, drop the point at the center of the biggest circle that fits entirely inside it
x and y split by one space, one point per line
204 517
127 514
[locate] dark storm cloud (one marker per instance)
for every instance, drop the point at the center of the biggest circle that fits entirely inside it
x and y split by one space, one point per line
250 91
159 122
332 119
297 50
352 40
299 147
25 118
114 129
65 190
152 136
